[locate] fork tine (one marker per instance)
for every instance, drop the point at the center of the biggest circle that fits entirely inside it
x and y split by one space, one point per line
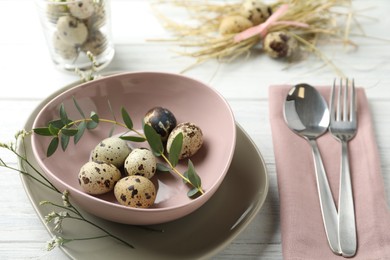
338 111
353 112
345 100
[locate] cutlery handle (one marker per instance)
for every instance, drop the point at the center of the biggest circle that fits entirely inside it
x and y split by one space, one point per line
346 221
328 208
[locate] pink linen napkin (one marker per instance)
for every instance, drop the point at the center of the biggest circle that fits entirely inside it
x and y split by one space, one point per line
303 234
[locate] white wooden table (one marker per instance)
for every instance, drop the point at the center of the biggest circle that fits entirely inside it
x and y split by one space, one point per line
28 76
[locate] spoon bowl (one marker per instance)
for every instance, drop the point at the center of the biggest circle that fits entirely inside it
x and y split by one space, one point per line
306 113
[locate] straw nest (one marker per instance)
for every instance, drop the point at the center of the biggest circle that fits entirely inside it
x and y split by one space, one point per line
205 34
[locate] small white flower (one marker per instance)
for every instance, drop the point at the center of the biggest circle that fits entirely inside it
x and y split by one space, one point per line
65 198
49 217
54 242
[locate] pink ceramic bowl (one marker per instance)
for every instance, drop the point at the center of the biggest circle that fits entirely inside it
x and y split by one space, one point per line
189 100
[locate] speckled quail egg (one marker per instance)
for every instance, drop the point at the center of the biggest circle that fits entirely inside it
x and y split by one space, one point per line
142 162
192 139
162 120
98 177
99 17
72 30
234 24
111 150
135 191
279 45
55 10
255 11
96 43
81 9
65 50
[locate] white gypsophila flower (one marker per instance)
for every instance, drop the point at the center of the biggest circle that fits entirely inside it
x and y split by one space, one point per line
58 221
21 133
54 242
65 198
49 217
6 146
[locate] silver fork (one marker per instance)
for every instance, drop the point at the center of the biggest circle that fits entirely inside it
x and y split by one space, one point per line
343 126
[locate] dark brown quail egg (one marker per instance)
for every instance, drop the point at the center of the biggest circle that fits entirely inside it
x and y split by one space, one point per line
98 177
111 150
142 162
192 139
135 191
280 45
162 120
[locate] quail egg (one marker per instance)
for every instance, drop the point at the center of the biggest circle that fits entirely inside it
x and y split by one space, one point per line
255 11
135 191
111 150
81 9
98 177
142 162
279 45
162 120
96 43
99 18
72 30
65 50
192 139
56 10
234 24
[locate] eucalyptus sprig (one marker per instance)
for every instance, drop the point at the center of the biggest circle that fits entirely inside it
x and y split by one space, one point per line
61 131
68 210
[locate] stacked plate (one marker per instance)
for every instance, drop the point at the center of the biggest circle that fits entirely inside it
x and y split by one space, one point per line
231 168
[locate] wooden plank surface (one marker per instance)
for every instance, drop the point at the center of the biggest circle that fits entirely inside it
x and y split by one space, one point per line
28 76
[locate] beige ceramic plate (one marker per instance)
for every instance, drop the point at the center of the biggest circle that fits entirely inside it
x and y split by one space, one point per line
201 234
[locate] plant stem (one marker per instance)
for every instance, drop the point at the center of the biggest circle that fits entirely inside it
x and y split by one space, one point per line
81 218
24 159
181 175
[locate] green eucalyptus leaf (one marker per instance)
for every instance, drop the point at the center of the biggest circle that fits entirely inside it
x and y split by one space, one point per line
64 141
126 118
193 192
63 115
162 168
81 129
94 117
54 130
133 138
42 131
52 146
91 125
57 123
154 140
185 174
193 176
69 131
175 150
78 107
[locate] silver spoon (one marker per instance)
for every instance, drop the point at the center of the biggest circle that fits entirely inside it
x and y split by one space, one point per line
307 114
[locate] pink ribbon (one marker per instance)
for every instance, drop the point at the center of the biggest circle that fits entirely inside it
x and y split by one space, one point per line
262 28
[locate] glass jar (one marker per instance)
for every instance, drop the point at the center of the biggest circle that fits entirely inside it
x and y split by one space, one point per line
76 31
